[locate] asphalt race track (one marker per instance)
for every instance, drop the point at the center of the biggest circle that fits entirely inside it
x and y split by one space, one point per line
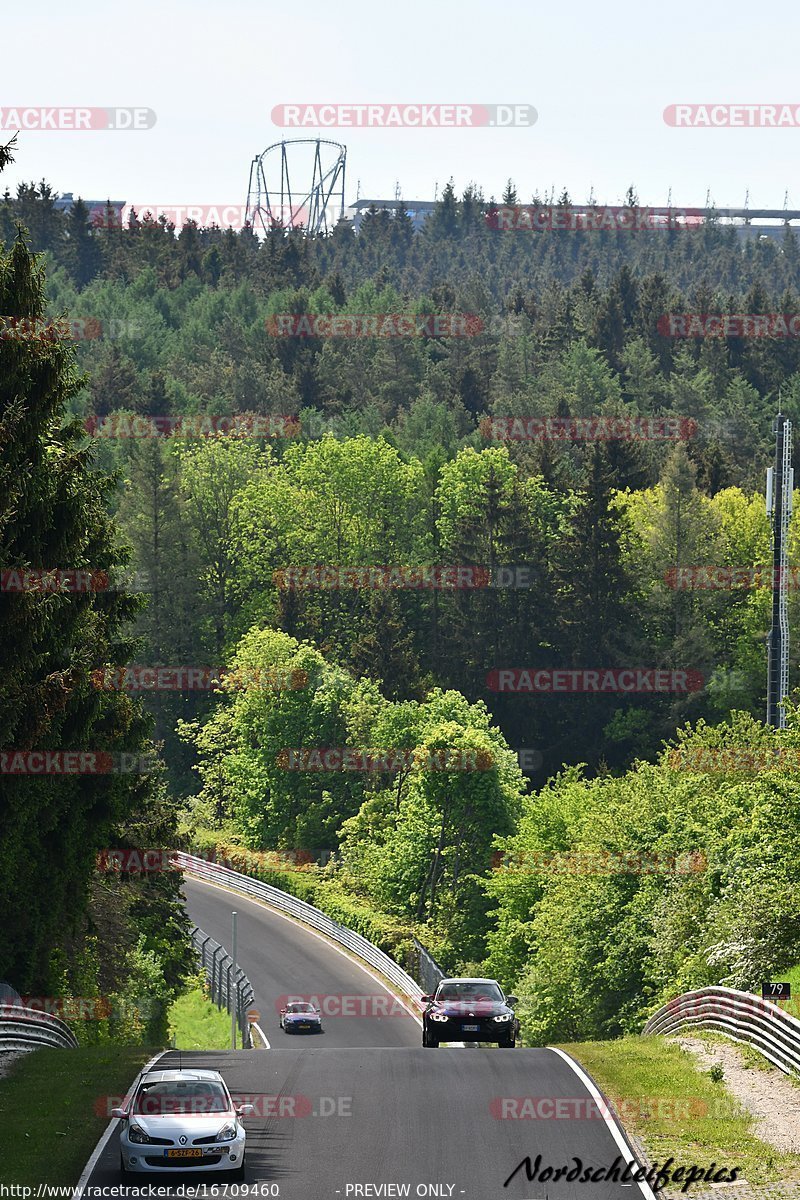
283 958
363 1106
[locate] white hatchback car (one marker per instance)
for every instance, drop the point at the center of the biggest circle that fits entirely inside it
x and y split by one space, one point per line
183 1120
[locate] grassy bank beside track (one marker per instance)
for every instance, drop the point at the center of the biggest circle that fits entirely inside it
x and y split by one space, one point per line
677 1110
53 1109
195 1023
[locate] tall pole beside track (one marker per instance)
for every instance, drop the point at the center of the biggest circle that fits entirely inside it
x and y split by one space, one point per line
780 485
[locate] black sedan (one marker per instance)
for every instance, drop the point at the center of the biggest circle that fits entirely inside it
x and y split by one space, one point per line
301 1017
469 1010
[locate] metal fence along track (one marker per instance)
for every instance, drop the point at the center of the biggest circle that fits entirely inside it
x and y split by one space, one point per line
229 989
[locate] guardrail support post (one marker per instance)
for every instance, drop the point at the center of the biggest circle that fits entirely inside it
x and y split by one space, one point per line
233 995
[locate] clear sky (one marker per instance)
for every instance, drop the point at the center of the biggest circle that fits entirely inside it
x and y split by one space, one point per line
599 75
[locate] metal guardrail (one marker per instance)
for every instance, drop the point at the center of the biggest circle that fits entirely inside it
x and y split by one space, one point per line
314 917
228 988
27 1029
741 1016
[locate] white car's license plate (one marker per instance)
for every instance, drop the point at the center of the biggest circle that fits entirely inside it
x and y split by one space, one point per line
470 1028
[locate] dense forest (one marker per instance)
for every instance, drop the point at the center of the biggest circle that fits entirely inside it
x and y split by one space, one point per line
395 457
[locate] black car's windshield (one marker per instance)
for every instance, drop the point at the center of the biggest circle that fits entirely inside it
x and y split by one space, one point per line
470 991
300 1008
181 1096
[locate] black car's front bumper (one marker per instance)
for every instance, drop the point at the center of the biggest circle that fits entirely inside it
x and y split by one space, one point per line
453 1030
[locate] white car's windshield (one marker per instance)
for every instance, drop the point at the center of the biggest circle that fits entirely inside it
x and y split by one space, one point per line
181 1096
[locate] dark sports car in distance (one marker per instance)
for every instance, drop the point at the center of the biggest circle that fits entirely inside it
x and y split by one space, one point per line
469 1010
301 1017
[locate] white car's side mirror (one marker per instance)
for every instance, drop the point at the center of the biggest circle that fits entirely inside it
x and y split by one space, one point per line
119 1113
244 1110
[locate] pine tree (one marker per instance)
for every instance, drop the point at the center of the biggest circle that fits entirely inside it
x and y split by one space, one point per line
53 515
443 221
384 650
509 194
596 613
82 253
402 234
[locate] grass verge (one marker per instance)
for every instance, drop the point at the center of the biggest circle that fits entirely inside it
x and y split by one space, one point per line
677 1111
53 1111
195 1023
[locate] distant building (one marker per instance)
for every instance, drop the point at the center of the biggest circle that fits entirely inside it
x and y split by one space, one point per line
97 208
418 210
747 222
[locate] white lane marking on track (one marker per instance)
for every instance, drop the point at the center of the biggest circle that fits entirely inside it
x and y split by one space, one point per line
613 1128
107 1132
262 1035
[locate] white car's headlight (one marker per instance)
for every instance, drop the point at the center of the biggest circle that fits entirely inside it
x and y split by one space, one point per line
504 1017
137 1134
439 1017
227 1133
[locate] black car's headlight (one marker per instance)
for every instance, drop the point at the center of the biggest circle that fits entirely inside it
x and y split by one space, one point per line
439 1017
137 1134
504 1017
